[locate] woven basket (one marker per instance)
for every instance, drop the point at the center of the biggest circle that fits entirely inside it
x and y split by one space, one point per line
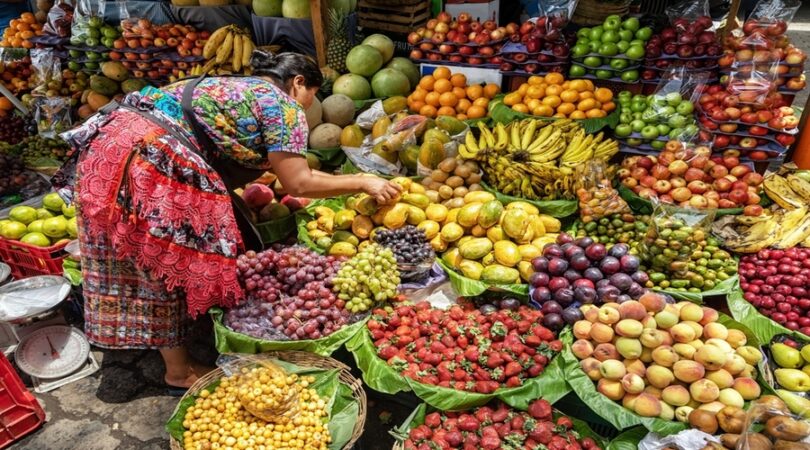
594 12
304 359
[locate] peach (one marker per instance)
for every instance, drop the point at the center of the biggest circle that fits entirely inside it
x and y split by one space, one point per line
721 344
675 395
612 369
715 330
749 371
711 356
582 329
736 338
650 338
682 413
591 368
682 332
635 366
591 313
632 310
582 348
713 407
721 378
666 338
688 371
667 413
685 351
601 333
649 322
652 301
665 356
709 315
731 397
628 348
696 344
654 391
747 387
667 317
691 312
647 406
611 389
695 327
604 352
629 328
750 354
659 376
632 383
703 420
704 390
629 400
646 355
735 364
608 315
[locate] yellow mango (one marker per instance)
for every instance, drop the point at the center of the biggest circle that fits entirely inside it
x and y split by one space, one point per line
431 228
362 226
396 216
436 212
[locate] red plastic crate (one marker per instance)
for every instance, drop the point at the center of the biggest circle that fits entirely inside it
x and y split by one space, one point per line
28 260
20 412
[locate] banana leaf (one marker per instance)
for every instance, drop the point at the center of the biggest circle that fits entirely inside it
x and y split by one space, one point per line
417 417
342 407
628 440
722 288
762 327
229 341
554 208
467 287
501 113
613 412
333 157
643 206
380 376
276 230
308 213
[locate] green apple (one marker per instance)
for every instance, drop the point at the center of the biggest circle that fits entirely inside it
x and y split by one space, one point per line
644 33
625 117
658 145
685 108
627 95
630 75
576 71
626 35
604 74
623 46
631 24
608 49
592 61
650 115
690 130
580 50
675 134
649 132
635 142
610 36
584 33
663 129
594 46
596 33
635 52
638 125
637 42
618 64
612 22
623 130
676 121
636 106
673 98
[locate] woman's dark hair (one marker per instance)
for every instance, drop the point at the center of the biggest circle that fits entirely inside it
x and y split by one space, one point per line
283 67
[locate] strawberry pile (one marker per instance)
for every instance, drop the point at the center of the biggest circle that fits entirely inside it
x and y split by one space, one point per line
498 427
463 348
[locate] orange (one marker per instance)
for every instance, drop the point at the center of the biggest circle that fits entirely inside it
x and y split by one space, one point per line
16 42
566 108
523 89
458 80
554 89
27 44
510 99
459 92
595 113
603 95
427 111
570 96
521 108
577 115
533 103
534 92
543 110
432 99
590 85
442 73
13 23
534 80
482 102
28 18
552 101
417 106
585 95
475 91
608 106
491 90
461 116
586 104
560 115
5 104
427 82
566 85
477 112
554 78
419 94
441 86
23 26
446 111
543 86
448 99
579 85
463 105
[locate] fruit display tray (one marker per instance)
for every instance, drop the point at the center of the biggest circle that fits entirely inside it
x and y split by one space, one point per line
668 57
466 44
605 67
772 146
49 40
456 64
746 124
589 76
517 47
618 56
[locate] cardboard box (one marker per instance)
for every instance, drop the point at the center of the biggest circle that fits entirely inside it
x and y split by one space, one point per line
478 11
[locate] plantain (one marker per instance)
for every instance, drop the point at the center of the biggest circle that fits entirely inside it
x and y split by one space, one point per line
799 186
214 41
237 53
247 50
759 236
795 228
225 50
780 192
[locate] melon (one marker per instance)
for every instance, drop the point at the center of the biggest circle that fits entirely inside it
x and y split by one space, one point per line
364 60
295 9
267 8
382 43
314 114
324 136
408 68
338 109
390 82
353 86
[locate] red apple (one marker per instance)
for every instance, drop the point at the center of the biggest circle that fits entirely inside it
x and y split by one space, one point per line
738 196
648 181
697 187
660 172
753 179
693 174
681 194
718 171
725 203
752 210
678 167
748 143
698 201
662 186
677 182
722 184
698 162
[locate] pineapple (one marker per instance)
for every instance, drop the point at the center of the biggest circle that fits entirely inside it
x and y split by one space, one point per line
338 47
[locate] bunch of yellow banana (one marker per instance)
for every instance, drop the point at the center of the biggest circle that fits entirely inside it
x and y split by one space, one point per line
786 224
229 45
534 158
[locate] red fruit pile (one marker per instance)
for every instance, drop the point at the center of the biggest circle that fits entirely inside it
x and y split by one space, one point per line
544 44
141 39
463 348
777 283
462 40
688 43
498 426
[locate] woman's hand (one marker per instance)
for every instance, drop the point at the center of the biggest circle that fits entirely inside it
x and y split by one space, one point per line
382 190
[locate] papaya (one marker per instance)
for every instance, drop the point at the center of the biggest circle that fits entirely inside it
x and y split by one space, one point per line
489 259
133 85
417 188
478 231
525 270
324 211
365 204
396 217
468 215
478 196
475 248
379 150
452 258
351 136
96 100
451 215
431 153
421 201
362 226
490 213
342 249
403 182
528 252
438 244
507 253
326 223
431 228
450 124
393 105
551 224
85 111
344 218
103 85
114 70
415 215
436 212
378 216
324 242
451 232
537 225
437 134
496 234
380 127
409 156
471 269
525 206
500 275
345 236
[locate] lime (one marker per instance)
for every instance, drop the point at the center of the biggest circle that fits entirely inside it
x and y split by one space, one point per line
55 227
69 211
37 239
35 226
24 214
53 202
13 230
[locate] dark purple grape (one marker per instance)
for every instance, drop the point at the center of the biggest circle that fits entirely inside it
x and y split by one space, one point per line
553 322
551 307
572 314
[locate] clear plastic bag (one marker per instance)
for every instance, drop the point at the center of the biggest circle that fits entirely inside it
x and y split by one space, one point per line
673 234
683 13
46 69
88 18
677 84
52 115
556 14
753 85
265 389
779 427
774 15
60 18
597 197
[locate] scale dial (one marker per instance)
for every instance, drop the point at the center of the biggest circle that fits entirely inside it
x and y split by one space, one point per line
52 352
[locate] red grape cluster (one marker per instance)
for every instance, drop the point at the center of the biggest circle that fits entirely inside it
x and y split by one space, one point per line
14 177
283 270
13 129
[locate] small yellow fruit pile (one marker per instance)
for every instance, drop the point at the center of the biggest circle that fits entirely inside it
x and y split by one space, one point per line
554 96
447 94
221 419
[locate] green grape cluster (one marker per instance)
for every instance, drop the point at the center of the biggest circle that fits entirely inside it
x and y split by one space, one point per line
371 276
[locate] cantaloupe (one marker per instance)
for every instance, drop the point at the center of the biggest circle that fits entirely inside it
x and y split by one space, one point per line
314 114
325 135
338 109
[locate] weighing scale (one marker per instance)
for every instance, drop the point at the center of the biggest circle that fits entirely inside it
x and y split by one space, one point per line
45 346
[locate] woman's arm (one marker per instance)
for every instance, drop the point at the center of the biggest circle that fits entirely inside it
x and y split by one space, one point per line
301 181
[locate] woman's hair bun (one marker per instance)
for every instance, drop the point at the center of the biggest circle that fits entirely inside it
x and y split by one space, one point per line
262 59
283 67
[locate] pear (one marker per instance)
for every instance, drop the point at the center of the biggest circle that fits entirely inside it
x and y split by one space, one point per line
786 356
806 353
793 379
796 403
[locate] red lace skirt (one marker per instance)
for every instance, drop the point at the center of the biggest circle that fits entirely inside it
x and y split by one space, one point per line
157 233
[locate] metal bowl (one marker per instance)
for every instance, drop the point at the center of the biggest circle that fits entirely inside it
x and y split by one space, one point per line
46 291
5 272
